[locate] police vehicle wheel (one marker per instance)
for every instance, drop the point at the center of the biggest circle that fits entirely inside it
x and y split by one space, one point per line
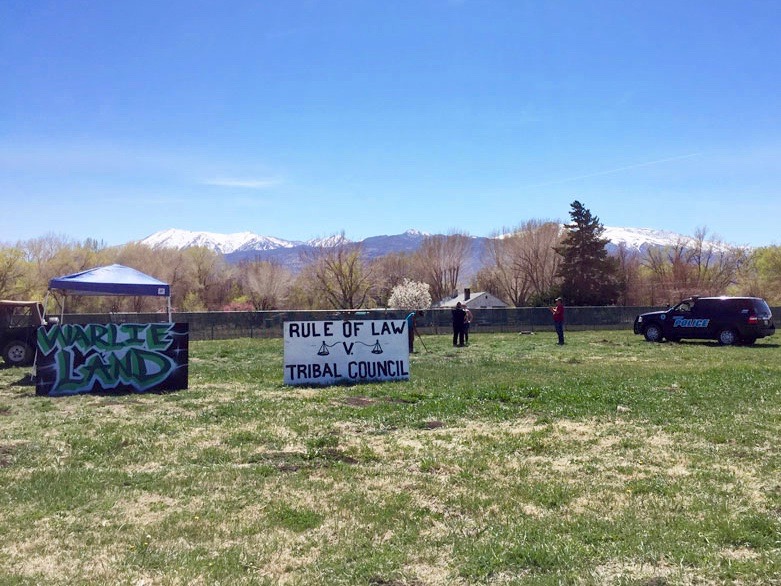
17 353
653 333
727 337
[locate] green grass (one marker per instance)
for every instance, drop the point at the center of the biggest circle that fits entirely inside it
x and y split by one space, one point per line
512 461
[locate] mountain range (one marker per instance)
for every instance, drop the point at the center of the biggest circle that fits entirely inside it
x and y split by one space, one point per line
243 246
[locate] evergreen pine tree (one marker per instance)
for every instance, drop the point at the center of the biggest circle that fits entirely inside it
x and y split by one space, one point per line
588 275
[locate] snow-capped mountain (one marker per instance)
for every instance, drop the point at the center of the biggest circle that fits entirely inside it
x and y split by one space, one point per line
249 242
329 241
637 239
247 245
222 243
294 257
642 238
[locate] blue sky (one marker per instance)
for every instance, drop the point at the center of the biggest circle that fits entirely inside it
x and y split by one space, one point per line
302 118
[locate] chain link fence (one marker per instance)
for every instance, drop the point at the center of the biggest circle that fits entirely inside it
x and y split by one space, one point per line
222 325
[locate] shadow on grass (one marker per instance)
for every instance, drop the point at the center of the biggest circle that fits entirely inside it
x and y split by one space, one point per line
26 381
712 344
6 366
114 394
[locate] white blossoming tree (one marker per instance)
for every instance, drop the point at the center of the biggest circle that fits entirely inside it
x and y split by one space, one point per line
410 295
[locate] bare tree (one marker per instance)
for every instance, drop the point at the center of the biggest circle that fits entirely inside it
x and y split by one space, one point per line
339 273
208 276
304 292
156 262
265 283
538 258
523 262
487 280
439 262
693 266
389 271
503 272
715 264
173 270
630 276
669 274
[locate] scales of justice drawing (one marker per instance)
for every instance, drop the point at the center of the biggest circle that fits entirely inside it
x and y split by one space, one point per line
376 348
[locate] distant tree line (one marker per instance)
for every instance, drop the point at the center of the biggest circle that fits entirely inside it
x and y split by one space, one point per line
526 265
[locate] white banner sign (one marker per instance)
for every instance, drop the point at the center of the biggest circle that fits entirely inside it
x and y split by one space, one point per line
328 352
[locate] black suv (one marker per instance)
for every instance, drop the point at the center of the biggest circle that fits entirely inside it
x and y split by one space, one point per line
730 320
19 323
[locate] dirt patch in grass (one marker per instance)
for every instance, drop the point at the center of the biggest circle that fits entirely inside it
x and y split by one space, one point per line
35 564
6 455
529 452
145 509
643 574
381 581
283 461
359 401
300 392
740 553
36 558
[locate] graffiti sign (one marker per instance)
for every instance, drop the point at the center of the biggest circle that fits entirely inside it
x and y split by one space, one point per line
328 352
75 358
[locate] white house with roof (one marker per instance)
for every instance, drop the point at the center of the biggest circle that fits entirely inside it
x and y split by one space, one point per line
480 300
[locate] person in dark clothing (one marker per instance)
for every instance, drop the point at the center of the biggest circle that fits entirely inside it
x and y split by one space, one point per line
459 315
468 317
412 327
558 319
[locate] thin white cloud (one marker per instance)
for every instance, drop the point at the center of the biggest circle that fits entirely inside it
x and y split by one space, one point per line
242 183
148 163
616 170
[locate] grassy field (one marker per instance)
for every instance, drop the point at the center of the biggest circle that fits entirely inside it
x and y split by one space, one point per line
513 461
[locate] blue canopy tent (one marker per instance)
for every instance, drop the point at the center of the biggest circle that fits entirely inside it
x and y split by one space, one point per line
111 280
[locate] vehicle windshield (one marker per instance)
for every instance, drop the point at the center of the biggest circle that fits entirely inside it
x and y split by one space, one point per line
19 315
684 306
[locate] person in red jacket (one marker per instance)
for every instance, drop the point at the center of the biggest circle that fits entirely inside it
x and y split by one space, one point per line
558 318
